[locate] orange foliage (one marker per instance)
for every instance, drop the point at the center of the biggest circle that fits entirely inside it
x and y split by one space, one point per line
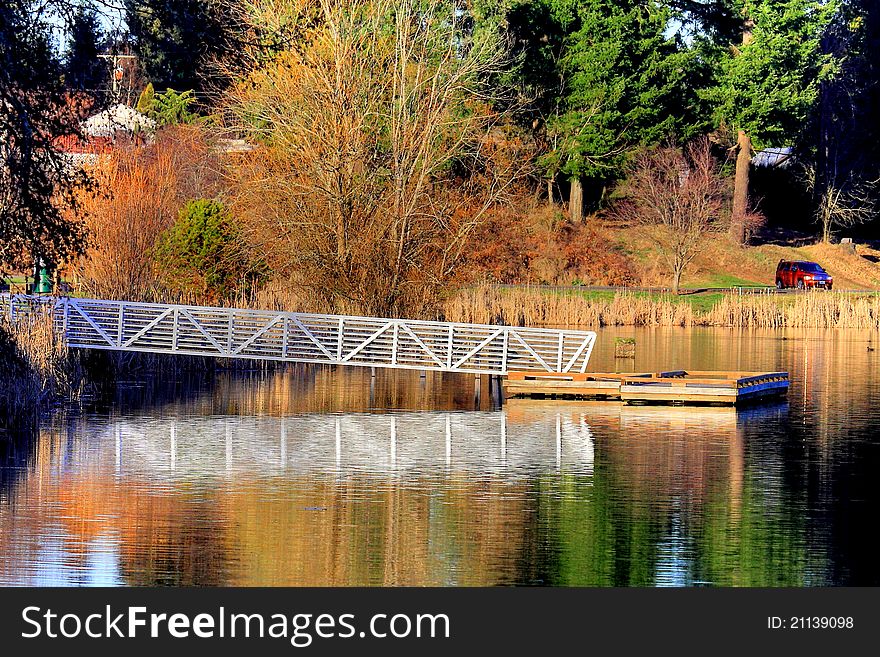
139 193
526 243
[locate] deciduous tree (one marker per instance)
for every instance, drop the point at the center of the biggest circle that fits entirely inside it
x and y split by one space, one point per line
381 151
35 179
679 194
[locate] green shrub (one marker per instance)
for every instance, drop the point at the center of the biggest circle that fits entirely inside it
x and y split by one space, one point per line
203 252
168 108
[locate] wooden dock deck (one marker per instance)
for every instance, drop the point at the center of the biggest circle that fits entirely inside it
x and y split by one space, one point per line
670 387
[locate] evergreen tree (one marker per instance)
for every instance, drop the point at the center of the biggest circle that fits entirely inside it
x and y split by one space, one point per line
176 40
768 81
147 100
83 69
621 86
601 77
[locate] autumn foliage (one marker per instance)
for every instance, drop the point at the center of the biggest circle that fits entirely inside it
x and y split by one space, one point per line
524 242
139 192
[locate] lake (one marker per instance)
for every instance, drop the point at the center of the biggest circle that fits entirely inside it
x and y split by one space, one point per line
316 476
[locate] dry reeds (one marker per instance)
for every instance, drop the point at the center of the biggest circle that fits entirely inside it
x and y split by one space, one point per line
527 306
814 310
530 306
36 367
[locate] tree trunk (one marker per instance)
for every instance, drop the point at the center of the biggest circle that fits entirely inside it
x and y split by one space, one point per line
576 200
550 191
741 189
826 228
676 280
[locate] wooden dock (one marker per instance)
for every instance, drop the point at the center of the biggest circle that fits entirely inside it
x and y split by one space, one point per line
672 387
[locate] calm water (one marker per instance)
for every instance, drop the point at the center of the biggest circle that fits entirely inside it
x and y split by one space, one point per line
316 477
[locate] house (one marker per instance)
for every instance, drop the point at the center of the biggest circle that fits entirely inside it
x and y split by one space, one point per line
101 132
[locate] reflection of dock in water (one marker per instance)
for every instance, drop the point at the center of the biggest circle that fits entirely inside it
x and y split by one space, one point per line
489 443
703 419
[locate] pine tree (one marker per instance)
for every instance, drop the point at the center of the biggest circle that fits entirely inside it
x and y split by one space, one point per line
601 78
83 69
176 40
622 80
768 82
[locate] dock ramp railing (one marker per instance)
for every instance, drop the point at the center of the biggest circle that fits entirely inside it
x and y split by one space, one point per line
324 339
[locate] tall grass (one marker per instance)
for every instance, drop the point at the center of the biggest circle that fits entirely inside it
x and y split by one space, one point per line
528 306
812 310
537 307
36 368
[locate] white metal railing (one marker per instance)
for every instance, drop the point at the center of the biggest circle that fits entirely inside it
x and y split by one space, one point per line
15 306
327 339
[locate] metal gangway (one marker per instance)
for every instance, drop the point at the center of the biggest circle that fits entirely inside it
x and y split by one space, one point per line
310 338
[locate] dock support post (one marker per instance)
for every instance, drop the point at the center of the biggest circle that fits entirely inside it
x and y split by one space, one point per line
173 445
477 391
338 441
448 440
495 391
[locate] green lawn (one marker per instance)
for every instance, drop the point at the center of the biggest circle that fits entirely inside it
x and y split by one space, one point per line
700 301
723 280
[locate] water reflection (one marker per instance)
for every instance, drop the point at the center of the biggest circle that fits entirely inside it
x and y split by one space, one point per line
209 448
321 477
402 498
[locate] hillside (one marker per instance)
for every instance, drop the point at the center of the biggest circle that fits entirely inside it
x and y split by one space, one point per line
722 264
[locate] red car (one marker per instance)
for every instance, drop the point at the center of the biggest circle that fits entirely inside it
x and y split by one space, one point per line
802 274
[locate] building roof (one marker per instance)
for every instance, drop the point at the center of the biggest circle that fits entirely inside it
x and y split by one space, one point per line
118 118
779 157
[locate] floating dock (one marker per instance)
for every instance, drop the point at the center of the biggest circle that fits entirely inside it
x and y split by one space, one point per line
672 387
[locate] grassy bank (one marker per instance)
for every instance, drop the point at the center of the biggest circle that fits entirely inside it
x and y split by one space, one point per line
36 369
537 307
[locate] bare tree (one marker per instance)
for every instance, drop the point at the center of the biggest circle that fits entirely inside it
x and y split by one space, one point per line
842 204
382 151
681 194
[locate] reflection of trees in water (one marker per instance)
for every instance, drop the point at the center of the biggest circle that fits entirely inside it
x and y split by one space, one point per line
664 495
679 496
778 495
437 522
301 388
16 453
153 538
